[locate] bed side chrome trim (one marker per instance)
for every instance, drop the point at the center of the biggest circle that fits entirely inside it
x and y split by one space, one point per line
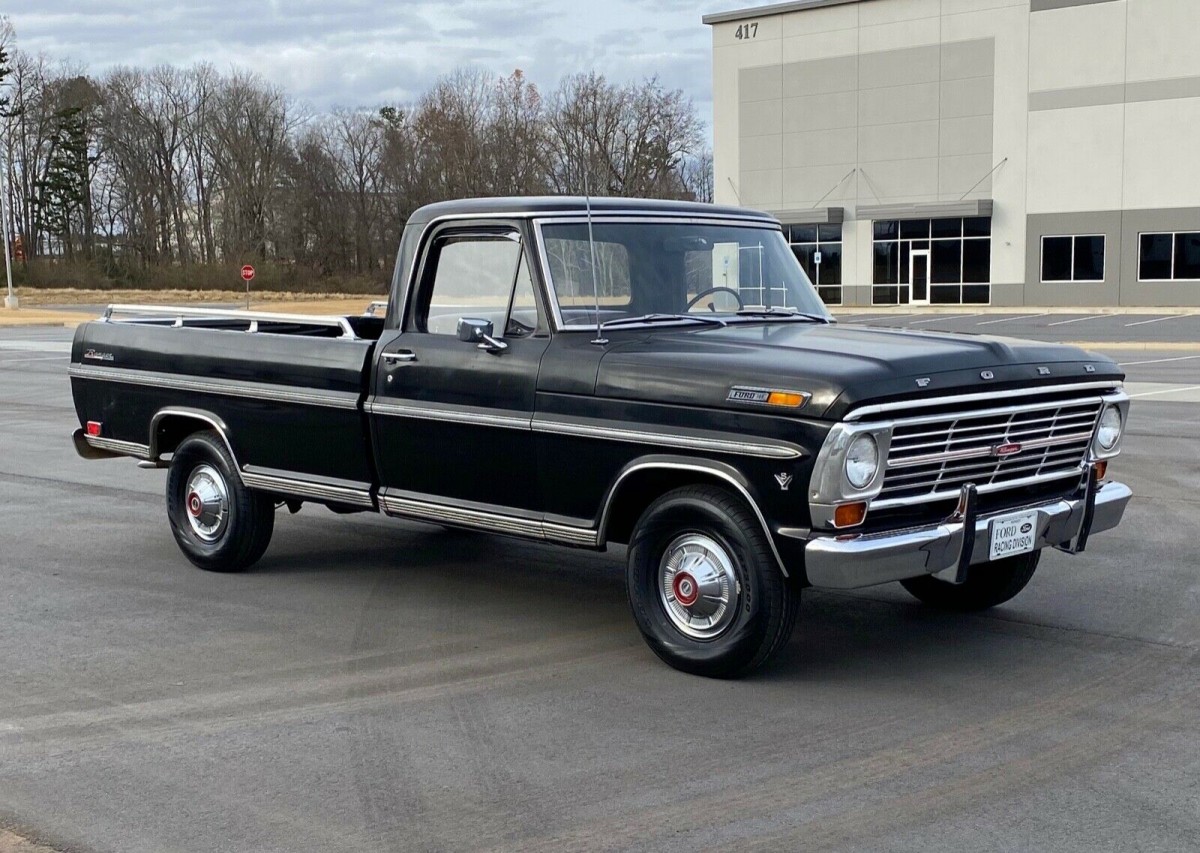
225 387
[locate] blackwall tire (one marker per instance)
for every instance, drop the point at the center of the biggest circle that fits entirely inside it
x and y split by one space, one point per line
704 586
988 584
219 524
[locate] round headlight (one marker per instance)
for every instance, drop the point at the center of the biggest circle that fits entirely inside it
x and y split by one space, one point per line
1109 430
862 461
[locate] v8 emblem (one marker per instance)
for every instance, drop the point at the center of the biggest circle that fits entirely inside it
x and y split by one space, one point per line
784 481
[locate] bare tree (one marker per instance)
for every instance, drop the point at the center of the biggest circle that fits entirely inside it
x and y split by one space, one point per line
628 140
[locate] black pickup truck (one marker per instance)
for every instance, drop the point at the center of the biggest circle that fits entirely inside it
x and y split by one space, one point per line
655 374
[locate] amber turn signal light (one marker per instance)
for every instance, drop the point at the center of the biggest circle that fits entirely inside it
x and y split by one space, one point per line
789 399
849 515
1101 469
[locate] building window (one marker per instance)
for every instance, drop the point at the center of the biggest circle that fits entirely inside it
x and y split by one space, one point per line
1169 257
819 250
1073 258
960 260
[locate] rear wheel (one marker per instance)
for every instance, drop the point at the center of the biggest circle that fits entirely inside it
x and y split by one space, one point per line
704 585
987 585
219 524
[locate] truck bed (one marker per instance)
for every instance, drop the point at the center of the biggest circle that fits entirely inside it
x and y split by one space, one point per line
299 383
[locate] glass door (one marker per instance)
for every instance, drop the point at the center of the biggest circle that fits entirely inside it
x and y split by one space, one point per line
918 274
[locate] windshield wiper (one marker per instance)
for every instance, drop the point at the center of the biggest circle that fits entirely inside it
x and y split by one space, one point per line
782 312
661 318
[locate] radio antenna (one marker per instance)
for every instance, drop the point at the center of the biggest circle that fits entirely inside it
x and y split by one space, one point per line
599 340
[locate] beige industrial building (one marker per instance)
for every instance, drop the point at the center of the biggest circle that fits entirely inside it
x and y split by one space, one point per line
1004 152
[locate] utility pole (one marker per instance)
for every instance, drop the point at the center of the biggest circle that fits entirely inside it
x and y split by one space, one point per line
10 301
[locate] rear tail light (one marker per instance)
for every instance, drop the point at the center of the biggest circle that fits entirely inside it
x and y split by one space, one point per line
93 428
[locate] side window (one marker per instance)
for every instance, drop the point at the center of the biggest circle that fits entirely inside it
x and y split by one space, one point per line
472 275
522 314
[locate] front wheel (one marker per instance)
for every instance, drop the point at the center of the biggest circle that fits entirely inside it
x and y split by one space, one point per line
987 585
704 585
219 524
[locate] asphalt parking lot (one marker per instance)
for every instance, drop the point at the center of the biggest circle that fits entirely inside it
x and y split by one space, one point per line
1115 327
377 685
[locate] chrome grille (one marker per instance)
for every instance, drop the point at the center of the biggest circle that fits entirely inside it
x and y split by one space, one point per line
931 457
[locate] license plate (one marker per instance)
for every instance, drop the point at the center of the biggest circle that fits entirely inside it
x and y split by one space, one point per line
1013 534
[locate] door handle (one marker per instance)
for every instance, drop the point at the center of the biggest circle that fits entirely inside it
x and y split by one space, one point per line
394 358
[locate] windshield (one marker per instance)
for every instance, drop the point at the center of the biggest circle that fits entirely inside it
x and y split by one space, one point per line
672 268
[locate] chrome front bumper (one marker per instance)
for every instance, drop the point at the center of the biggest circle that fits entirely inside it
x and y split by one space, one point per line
849 562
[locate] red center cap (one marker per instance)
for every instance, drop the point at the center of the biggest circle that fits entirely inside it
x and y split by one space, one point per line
195 505
685 589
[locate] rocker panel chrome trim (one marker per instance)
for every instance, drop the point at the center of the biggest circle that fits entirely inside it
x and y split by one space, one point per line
285 483
488 520
225 387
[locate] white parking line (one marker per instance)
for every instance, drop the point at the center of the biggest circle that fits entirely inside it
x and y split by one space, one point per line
880 317
1079 319
947 317
1155 320
1158 360
1177 390
34 358
1018 317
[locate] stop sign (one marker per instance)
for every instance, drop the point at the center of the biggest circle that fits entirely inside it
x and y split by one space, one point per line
247 272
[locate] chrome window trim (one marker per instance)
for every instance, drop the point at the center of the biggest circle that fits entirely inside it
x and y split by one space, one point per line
1109 386
620 217
294 483
631 214
759 449
225 387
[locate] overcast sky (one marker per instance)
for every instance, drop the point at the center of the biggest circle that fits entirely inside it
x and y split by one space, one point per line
356 53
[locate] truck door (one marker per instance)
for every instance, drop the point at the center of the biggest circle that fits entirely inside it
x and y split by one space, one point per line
451 419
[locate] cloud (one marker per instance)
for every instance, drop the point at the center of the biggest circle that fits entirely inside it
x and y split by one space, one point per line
362 53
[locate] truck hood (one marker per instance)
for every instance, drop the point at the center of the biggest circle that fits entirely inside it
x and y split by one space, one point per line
840 366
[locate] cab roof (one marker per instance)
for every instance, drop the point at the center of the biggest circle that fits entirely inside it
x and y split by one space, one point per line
531 206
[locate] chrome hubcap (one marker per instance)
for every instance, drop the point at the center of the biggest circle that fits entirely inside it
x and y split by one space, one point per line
207 503
698 587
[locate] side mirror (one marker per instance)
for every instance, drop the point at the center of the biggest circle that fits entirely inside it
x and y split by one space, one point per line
474 331
471 331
